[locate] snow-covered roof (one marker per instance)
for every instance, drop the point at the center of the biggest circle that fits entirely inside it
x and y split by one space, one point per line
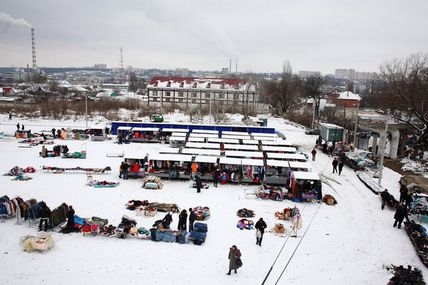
195 139
248 154
250 141
286 156
134 155
181 139
170 157
303 175
289 149
172 130
348 95
276 142
179 135
277 163
215 152
169 150
223 140
205 131
244 137
252 162
199 135
330 126
206 159
124 128
241 146
264 135
234 133
138 129
230 160
299 165
203 145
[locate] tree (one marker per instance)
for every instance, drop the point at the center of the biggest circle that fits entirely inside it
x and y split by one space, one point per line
312 89
282 94
405 94
133 82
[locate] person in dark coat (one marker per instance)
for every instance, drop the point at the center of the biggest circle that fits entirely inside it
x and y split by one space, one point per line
167 220
261 226
408 201
198 184
22 127
400 214
385 196
216 176
182 220
70 218
314 153
234 254
44 217
340 167
53 132
122 168
403 194
191 219
17 126
335 163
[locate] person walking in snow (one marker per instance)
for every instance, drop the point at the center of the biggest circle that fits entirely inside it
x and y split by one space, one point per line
17 126
44 217
314 153
70 218
22 127
340 167
234 259
384 195
216 176
167 220
10 115
335 163
182 220
400 214
191 219
198 182
260 226
296 220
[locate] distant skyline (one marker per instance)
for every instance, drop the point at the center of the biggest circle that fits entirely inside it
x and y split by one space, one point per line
204 35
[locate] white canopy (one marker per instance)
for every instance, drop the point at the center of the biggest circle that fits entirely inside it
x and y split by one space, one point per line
247 154
206 159
230 160
276 142
178 134
136 129
241 147
300 165
192 139
243 137
302 175
250 141
223 140
205 131
135 155
172 130
197 135
234 133
123 128
169 150
201 151
252 162
171 157
289 149
180 139
286 156
264 135
203 145
277 163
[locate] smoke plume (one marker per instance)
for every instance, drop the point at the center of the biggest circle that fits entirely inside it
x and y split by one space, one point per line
7 21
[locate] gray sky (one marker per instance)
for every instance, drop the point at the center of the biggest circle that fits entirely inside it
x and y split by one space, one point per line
204 35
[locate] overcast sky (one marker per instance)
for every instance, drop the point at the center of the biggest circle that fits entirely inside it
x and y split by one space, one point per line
205 34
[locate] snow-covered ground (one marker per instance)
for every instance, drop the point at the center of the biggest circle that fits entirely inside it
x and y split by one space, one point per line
344 244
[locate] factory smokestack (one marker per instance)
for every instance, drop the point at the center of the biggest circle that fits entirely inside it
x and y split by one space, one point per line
33 49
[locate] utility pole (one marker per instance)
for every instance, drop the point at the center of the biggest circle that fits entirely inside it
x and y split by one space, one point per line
313 116
382 151
210 109
86 109
356 124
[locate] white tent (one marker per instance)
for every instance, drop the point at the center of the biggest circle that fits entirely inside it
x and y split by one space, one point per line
206 159
300 165
302 175
223 140
252 162
205 131
277 163
215 152
288 149
286 156
241 147
244 154
172 130
230 160
203 145
170 157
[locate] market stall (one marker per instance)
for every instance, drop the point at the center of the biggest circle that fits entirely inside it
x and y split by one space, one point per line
286 156
300 166
97 134
124 132
305 186
277 172
244 154
203 145
203 151
252 171
145 135
166 133
206 166
137 163
173 166
231 169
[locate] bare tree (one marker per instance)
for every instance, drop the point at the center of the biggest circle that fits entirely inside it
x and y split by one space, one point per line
133 82
282 94
405 95
312 89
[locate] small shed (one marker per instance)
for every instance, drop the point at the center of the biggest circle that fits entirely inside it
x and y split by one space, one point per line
331 132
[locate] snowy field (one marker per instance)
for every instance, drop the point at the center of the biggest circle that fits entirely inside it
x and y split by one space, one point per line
344 244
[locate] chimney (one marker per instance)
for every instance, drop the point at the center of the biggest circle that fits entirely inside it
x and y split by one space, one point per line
33 49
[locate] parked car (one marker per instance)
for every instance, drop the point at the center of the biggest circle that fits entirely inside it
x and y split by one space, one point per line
313 132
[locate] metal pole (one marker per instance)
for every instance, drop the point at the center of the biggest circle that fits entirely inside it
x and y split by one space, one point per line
313 116
355 129
86 109
382 151
210 110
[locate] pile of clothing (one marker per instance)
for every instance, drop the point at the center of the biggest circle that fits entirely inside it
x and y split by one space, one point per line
103 184
245 213
133 204
165 207
389 199
201 213
283 215
15 171
419 237
124 228
9 207
152 182
41 242
245 224
405 276
278 229
93 226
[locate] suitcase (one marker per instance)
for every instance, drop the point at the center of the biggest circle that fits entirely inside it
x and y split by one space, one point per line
198 242
200 227
198 235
